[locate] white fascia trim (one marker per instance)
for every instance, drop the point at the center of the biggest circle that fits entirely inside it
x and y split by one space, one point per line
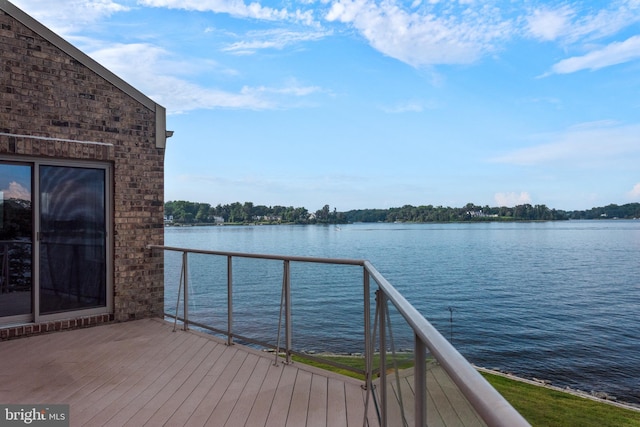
47 138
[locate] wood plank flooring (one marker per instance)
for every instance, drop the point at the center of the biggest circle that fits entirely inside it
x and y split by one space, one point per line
141 373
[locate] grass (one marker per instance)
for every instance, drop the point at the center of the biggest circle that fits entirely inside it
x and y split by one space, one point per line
540 406
356 362
546 407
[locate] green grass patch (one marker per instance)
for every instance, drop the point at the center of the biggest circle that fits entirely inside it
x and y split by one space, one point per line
546 407
403 361
351 361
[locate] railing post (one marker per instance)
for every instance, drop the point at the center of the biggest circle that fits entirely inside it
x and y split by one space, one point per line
287 296
229 300
185 310
381 301
420 382
368 350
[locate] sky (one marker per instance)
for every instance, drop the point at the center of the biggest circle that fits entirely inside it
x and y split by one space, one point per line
380 103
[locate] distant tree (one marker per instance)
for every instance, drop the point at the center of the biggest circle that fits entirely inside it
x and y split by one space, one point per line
322 215
236 213
203 213
247 211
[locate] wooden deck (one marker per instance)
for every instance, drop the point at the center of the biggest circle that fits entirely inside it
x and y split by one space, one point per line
141 373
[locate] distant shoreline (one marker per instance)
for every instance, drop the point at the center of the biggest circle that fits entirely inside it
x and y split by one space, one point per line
470 221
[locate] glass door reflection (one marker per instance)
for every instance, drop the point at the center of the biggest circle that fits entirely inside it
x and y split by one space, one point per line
72 239
16 242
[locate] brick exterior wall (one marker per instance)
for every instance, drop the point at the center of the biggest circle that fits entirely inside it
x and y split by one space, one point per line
44 92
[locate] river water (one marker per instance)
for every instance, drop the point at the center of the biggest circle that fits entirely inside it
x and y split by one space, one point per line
558 301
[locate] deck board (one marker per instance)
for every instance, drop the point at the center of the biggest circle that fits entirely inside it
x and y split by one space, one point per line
202 413
250 393
336 404
299 406
280 406
199 392
262 405
317 411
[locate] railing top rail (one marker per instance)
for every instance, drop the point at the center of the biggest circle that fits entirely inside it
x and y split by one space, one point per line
321 260
490 404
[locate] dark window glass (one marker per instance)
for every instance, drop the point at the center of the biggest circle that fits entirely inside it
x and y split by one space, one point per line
72 239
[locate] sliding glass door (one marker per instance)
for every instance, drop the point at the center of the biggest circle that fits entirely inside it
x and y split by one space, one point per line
53 240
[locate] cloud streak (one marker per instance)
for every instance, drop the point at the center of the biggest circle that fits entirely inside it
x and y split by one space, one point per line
67 17
613 54
236 8
277 39
139 64
587 31
588 145
569 23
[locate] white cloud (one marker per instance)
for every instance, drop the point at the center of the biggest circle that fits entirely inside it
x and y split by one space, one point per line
16 191
634 194
579 23
580 27
614 53
412 106
272 39
423 38
588 145
140 65
547 24
68 16
512 199
291 88
613 17
236 8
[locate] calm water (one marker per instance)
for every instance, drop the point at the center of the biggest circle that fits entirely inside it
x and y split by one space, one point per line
557 300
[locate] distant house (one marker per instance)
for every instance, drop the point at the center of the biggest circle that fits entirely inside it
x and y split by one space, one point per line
81 186
480 214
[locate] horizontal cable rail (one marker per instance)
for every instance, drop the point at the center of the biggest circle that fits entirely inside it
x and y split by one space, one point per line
485 400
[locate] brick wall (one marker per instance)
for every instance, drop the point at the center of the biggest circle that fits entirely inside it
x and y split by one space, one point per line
44 92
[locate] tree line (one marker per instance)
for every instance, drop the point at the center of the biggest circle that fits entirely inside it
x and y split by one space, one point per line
184 212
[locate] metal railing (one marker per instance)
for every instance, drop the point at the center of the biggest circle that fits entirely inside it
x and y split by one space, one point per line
382 377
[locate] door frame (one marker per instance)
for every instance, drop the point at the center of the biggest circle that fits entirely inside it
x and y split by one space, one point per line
35 163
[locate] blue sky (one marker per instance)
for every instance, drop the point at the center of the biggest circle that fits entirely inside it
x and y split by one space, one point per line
380 103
